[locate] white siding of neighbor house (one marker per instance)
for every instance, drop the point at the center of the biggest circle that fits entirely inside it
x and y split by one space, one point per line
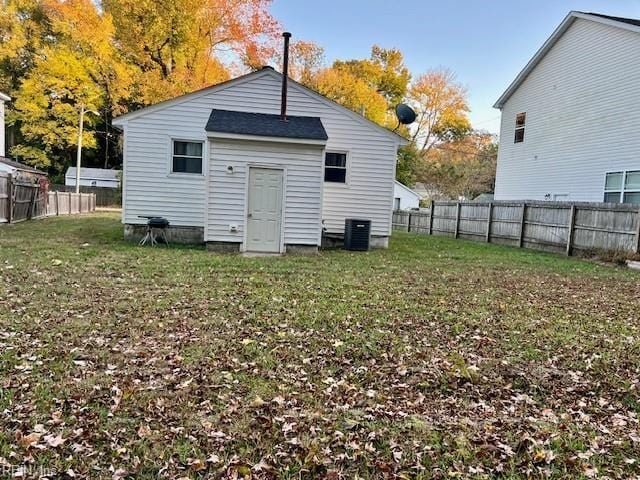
226 201
2 145
89 182
150 188
583 117
408 198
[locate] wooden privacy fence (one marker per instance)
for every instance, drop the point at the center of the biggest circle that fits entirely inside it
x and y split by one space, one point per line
67 203
20 200
552 226
105 196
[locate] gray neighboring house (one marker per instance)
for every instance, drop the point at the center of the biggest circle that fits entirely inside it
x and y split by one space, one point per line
93 177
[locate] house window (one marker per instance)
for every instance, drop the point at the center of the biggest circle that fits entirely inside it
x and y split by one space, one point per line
335 167
521 118
187 157
396 203
622 187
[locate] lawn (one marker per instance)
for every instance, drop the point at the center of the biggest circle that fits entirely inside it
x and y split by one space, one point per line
433 359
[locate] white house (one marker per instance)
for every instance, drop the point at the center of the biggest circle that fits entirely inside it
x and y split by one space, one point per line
93 177
20 171
570 119
3 98
223 167
404 198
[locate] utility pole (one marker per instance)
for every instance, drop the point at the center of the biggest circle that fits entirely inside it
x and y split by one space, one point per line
79 156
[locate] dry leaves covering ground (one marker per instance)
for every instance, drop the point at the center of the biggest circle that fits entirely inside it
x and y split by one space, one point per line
434 359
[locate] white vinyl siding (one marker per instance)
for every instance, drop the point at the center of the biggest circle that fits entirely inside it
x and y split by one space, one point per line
582 117
227 183
91 182
2 146
151 190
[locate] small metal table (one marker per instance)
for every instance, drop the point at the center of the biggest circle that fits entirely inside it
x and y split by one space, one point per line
156 229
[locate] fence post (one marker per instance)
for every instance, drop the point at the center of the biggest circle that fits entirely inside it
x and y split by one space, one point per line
32 207
409 222
455 232
572 221
10 199
70 202
57 204
431 213
522 223
638 233
488 236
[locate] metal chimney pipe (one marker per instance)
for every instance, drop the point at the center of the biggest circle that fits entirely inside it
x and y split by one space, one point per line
285 75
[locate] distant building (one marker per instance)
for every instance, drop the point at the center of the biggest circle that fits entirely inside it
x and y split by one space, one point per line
93 177
20 171
483 198
404 198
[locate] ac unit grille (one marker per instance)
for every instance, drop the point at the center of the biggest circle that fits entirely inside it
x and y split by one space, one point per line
357 233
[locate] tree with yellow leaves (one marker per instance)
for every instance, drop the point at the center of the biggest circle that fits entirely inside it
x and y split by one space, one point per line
441 106
177 45
351 92
48 107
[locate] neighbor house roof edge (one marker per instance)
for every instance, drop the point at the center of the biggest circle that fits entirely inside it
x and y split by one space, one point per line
619 22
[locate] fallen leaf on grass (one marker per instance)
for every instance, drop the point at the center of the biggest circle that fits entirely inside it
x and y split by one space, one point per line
27 441
119 474
54 440
144 431
196 465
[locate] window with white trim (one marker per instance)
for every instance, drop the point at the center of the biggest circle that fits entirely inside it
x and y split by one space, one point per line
335 167
622 187
187 157
521 119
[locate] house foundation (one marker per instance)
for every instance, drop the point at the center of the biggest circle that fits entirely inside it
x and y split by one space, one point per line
184 235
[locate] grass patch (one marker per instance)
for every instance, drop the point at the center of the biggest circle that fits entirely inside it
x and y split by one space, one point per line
435 357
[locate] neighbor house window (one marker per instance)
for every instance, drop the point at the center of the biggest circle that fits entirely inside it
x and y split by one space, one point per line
187 157
335 167
521 118
396 203
622 187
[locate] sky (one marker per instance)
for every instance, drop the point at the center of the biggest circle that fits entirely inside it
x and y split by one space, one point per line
486 43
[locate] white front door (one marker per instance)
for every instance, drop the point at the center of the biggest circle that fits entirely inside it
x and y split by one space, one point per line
264 215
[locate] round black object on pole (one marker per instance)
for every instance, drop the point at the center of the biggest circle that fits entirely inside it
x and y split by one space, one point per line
405 114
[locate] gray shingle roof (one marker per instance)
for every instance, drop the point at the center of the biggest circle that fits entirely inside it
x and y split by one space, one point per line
266 125
630 21
20 166
94 173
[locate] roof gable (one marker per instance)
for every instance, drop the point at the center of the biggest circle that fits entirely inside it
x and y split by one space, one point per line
267 71
407 189
123 119
619 22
